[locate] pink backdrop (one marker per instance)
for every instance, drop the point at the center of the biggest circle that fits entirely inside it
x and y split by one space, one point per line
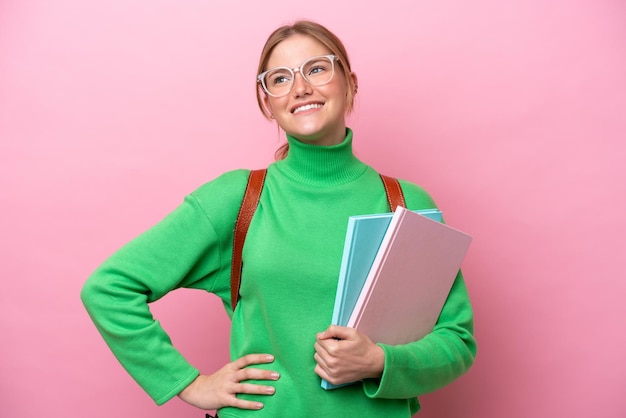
512 114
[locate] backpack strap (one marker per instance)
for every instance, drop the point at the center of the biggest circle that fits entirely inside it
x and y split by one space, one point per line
246 211
395 197
251 197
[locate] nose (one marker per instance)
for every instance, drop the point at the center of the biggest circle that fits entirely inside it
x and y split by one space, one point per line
300 86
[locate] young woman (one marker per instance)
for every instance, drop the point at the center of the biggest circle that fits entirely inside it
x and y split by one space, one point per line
281 341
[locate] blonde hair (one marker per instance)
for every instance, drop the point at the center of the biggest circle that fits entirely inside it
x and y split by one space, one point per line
323 36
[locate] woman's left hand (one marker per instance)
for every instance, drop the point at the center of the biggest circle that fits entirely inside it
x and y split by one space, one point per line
344 355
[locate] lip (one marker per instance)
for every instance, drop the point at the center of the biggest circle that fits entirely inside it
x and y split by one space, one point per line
293 109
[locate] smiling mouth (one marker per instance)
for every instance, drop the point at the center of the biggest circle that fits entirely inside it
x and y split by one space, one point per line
307 107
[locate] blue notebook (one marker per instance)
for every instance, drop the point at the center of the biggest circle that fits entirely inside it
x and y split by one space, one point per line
363 238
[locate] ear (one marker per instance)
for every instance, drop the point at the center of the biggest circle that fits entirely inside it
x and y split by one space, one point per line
350 94
355 82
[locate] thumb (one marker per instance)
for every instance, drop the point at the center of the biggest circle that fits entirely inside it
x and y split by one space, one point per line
336 332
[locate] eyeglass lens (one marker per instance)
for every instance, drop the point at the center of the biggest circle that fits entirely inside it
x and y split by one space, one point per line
317 71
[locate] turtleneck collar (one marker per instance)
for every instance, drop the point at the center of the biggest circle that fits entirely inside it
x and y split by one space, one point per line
321 165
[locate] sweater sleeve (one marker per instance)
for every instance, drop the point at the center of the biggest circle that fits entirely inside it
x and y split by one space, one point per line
188 248
434 361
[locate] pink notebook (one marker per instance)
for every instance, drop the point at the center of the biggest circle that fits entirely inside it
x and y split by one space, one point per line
410 279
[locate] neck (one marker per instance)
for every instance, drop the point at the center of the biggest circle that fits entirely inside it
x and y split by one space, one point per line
324 138
322 165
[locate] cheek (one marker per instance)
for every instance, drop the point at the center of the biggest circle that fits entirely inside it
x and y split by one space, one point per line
339 91
341 96
276 103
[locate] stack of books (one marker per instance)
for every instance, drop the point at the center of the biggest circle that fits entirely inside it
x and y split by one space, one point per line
396 273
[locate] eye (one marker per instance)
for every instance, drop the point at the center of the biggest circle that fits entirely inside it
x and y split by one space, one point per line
317 67
278 78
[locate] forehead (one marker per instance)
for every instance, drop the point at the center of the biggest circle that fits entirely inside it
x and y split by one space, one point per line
294 50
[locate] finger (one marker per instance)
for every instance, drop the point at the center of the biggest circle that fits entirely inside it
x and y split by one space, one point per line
327 347
319 360
244 404
256 374
326 360
326 375
337 332
321 373
252 389
250 359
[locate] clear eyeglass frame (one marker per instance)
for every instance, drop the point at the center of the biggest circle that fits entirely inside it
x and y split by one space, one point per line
286 89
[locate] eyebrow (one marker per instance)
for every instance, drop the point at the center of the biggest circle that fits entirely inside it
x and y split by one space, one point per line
302 62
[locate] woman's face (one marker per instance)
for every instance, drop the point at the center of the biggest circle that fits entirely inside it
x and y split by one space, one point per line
324 122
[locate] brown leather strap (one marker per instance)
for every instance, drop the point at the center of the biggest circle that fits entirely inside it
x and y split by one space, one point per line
395 197
246 212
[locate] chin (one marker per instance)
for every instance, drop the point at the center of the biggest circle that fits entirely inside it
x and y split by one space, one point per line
309 135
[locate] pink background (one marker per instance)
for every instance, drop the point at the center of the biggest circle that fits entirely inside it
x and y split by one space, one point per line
512 114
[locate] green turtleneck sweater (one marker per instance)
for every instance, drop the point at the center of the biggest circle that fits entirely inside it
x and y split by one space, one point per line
292 257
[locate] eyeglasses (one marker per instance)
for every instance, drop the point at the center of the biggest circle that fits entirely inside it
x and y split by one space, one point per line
316 71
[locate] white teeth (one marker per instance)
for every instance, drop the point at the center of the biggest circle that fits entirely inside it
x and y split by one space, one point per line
307 107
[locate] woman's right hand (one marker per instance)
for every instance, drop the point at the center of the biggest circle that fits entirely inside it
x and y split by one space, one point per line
220 389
